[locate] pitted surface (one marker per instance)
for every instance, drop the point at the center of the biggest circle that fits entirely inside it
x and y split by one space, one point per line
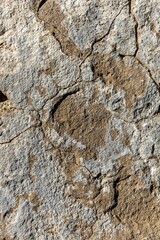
79 120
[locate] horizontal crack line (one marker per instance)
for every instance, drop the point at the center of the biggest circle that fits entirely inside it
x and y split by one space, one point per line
13 138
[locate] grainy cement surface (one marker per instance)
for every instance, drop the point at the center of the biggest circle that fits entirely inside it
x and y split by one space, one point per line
79 120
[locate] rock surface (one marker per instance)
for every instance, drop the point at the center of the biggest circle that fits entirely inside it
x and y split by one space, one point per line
80 120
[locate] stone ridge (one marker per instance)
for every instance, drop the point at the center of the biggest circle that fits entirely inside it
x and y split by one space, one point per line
79 120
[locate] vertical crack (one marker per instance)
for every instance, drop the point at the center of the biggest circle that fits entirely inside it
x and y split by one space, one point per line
130 6
137 43
101 38
136 27
114 202
136 37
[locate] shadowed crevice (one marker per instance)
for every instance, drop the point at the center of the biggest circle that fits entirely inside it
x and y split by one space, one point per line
62 98
3 97
41 4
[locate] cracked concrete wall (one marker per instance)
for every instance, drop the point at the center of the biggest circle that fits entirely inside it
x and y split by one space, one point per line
79 120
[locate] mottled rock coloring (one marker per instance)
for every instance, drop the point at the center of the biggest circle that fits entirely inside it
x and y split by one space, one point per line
80 120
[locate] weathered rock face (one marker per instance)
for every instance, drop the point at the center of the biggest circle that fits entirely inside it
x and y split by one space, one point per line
79 120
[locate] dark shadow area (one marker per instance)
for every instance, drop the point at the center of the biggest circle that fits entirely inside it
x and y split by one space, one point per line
3 97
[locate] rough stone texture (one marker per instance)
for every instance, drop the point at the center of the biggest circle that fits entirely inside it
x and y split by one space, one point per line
79 120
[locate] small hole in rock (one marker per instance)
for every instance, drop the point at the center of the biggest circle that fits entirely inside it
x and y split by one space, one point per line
3 97
148 105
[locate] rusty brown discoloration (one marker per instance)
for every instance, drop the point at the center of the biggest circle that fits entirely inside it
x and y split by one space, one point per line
125 138
114 133
87 123
50 12
104 201
123 135
85 229
6 107
137 207
48 70
130 78
31 197
41 90
84 192
123 165
29 100
35 200
31 160
70 164
3 230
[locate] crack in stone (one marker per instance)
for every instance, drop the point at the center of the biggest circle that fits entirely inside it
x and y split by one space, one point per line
17 135
101 38
42 2
130 6
137 44
76 87
136 28
62 98
136 38
116 192
34 126
143 65
149 72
